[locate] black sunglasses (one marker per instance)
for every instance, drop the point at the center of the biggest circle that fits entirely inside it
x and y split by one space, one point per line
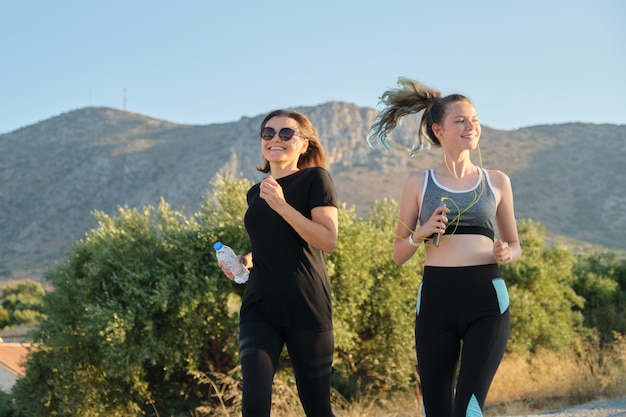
284 134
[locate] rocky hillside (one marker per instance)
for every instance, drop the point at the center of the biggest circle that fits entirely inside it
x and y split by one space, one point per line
53 174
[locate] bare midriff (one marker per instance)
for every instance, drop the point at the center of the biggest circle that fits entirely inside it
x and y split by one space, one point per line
460 250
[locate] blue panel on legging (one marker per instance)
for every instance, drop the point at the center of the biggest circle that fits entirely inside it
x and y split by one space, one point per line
473 409
502 293
419 299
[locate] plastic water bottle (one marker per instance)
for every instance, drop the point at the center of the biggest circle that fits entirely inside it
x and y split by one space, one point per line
228 258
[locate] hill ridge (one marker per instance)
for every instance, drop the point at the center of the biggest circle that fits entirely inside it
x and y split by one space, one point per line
54 173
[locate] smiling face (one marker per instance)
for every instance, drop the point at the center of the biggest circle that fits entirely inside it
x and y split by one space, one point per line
279 153
460 128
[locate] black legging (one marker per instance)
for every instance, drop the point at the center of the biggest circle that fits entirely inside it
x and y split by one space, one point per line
311 354
462 314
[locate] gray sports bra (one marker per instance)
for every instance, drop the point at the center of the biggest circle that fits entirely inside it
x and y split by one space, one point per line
472 211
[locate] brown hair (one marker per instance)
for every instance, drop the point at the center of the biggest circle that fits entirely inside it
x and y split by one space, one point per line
412 97
314 155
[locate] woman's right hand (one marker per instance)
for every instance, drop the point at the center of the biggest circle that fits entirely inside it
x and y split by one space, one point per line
245 260
226 272
437 222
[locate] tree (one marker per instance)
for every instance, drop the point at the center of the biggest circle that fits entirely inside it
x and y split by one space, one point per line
601 281
22 303
142 321
138 308
373 304
545 310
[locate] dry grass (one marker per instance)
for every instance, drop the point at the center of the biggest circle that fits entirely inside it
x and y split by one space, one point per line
523 385
551 380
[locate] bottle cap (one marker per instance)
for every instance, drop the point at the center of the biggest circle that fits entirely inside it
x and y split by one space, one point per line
217 245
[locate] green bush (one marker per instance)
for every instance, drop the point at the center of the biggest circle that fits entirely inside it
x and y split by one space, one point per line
142 321
6 405
545 310
373 304
22 303
138 307
601 280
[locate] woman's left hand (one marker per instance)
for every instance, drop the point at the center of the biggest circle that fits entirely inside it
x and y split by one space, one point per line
502 252
271 191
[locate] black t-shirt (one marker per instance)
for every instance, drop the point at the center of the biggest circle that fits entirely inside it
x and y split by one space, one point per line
288 285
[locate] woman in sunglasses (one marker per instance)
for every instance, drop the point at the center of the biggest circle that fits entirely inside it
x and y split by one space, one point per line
453 211
291 221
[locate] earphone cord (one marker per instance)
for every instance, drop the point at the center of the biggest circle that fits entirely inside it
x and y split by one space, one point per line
456 218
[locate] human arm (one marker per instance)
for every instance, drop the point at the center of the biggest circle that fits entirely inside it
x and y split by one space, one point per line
403 250
321 231
245 260
507 249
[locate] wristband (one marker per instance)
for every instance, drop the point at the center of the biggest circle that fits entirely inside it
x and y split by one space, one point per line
412 242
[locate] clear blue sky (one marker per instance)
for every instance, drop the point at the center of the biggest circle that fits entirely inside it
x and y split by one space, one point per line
523 63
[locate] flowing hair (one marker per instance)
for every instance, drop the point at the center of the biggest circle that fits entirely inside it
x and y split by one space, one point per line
410 98
315 156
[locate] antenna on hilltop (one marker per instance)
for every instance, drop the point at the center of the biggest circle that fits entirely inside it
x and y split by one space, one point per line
124 98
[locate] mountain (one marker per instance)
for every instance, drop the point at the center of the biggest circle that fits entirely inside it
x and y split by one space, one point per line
54 173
